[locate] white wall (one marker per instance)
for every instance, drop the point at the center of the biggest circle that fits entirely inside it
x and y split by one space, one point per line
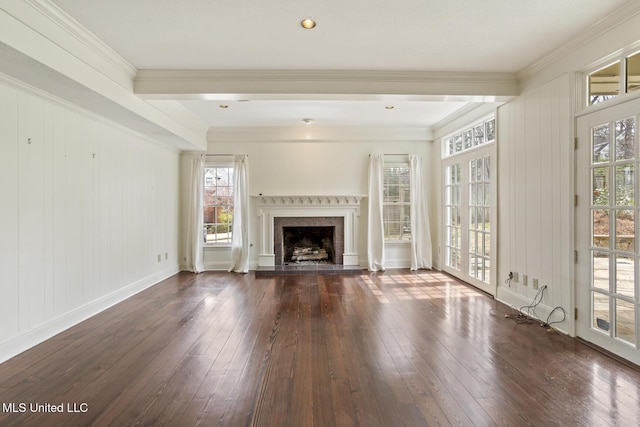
313 168
86 209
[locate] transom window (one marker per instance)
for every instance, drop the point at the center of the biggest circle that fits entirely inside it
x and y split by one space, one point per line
471 137
619 77
218 204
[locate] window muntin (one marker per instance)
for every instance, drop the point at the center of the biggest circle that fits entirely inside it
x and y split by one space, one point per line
218 204
396 203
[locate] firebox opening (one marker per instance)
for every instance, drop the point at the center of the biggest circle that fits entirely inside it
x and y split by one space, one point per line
308 245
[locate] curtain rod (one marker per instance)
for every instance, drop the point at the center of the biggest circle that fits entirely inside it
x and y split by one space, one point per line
393 154
220 155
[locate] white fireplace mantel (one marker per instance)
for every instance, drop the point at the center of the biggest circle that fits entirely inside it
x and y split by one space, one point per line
271 207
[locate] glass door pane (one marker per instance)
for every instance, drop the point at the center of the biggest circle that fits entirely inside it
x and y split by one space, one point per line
452 217
613 244
480 218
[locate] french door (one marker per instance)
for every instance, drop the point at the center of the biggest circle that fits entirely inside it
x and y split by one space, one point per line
607 167
469 217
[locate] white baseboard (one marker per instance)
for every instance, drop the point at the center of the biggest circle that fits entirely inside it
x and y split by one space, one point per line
216 266
24 341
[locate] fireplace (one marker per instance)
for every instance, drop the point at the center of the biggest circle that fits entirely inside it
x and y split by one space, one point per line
336 213
308 240
308 245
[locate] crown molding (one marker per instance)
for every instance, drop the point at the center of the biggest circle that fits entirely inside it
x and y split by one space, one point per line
195 84
66 23
604 25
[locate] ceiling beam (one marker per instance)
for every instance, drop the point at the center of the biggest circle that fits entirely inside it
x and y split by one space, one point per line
418 85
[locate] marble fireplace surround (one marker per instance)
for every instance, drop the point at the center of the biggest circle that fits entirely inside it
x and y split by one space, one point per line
315 207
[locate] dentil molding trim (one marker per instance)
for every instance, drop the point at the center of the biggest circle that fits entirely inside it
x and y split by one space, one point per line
341 200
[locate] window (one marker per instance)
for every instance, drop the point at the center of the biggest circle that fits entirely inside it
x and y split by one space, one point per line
396 208
218 204
619 77
633 72
471 137
604 84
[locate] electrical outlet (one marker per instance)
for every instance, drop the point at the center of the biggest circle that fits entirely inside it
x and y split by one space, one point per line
159 258
524 279
166 255
516 277
535 283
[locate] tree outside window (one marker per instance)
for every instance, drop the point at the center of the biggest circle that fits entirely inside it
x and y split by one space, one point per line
218 204
396 207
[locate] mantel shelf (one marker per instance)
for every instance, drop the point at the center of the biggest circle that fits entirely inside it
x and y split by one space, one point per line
344 200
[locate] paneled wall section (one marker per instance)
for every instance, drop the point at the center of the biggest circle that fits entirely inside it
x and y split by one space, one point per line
89 216
535 155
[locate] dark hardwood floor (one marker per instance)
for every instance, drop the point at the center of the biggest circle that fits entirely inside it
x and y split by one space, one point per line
394 349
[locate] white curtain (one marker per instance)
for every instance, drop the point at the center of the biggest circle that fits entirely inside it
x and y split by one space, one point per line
240 227
421 252
195 220
375 227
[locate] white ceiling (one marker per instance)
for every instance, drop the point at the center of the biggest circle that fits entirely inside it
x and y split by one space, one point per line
323 112
400 35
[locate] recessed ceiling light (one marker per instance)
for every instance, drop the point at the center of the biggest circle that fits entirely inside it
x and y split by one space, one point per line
389 107
308 23
307 121
224 106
